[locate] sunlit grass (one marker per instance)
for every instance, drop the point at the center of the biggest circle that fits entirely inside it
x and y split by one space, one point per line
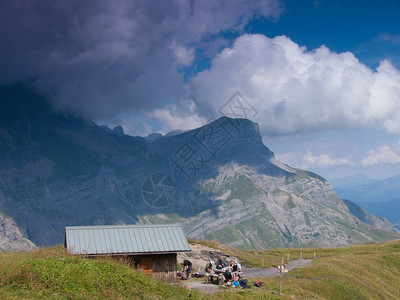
53 273
369 271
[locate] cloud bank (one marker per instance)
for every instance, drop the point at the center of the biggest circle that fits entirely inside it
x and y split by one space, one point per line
99 58
297 91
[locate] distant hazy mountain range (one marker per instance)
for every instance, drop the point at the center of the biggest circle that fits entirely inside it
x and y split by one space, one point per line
384 190
381 198
387 209
219 180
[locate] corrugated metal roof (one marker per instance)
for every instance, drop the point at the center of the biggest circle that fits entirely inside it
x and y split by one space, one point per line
125 239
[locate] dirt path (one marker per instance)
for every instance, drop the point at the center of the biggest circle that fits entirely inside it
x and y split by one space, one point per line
207 288
274 272
248 273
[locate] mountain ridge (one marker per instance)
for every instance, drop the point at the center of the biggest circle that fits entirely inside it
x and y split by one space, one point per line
219 180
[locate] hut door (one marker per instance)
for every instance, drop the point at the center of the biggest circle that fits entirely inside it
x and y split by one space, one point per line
147 265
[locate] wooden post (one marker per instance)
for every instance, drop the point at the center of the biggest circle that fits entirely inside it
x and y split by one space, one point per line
262 263
314 254
301 254
288 257
280 273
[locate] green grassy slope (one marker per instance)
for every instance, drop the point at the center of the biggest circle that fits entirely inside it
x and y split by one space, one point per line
54 274
369 271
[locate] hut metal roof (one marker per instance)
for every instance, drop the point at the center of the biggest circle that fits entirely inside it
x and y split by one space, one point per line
126 239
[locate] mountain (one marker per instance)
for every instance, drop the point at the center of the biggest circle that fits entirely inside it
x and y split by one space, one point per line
349 182
219 180
388 209
380 198
368 218
384 190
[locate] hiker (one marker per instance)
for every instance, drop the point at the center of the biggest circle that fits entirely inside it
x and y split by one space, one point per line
235 280
187 266
239 267
220 263
236 267
209 268
228 275
233 266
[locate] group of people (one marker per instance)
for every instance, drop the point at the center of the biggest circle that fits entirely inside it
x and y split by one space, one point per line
229 269
228 272
233 265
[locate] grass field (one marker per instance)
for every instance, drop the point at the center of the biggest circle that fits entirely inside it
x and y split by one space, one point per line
369 271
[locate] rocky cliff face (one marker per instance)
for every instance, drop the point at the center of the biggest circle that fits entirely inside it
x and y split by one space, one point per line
368 218
219 180
11 238
249 209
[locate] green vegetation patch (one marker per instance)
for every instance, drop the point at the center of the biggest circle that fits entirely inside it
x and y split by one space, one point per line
4 215
53 273
241 187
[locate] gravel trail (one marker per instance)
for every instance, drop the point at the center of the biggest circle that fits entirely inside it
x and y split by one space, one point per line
274 272
248 273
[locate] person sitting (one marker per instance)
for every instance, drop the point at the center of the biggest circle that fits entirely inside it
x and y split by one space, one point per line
187 267
236 267
235 280
228 275
233 265
220 263
226 262
239 267
209 268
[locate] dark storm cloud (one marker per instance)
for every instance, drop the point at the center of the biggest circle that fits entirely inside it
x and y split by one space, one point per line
99 58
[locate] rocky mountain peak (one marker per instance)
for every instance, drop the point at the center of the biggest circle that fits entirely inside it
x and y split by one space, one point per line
219 180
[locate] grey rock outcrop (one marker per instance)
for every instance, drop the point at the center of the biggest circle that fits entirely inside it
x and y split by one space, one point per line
11 238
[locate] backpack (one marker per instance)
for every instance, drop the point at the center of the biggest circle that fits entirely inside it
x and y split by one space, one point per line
243 284
258 283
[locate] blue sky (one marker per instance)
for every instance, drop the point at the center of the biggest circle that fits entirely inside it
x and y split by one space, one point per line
355 26
323 76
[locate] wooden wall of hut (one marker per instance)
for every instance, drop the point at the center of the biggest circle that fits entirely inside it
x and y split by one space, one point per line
160 266
164 267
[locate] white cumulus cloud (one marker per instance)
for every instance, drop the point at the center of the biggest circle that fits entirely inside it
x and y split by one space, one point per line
383 154
308 160
324 160
295 90
178 117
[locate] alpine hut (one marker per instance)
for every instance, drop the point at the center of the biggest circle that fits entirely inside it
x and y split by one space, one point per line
151 248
